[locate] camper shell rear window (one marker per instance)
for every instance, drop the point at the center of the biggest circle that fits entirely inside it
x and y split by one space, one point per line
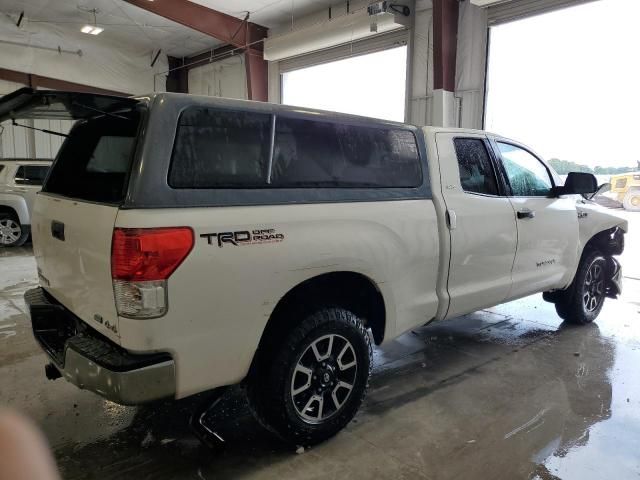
95 160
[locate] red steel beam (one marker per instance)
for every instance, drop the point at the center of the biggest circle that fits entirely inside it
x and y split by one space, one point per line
211 22
218 53
445 39
229 29
257 78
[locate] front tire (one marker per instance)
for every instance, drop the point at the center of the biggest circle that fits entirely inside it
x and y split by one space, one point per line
12 234
313 386
582 302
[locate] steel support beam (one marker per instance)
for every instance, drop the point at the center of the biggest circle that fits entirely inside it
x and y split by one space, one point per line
231 30
445 39
211 22
257 75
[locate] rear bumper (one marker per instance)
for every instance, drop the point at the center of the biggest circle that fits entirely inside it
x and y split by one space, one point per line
91 362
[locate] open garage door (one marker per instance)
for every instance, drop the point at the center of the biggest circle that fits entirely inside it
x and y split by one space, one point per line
367 78
518 9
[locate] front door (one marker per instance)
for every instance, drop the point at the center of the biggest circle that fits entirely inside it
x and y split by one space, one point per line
547 226
482 224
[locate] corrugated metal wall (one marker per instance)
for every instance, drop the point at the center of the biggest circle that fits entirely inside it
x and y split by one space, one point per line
224 78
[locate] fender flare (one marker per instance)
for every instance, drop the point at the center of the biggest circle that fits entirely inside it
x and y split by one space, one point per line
18 204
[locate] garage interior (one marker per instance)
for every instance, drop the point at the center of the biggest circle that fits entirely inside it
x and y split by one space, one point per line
506 392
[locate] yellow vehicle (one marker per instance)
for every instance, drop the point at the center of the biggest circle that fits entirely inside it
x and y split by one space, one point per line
626 186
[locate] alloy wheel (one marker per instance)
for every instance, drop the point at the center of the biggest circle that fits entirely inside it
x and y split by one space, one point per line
323 378
10 231
593 291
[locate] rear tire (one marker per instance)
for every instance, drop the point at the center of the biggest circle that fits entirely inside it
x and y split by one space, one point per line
12 234
582 302
631 201
314 383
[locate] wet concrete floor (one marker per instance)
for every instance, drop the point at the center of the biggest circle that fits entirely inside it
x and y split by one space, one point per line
504 393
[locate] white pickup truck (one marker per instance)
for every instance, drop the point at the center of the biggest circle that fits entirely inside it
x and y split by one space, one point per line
185 243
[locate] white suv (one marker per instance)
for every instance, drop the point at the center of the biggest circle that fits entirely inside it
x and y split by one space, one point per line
186 243
20 180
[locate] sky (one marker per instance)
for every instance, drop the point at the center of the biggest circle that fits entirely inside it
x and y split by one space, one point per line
568 83
355 85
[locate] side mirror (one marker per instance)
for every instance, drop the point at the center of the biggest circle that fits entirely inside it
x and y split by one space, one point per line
605 187
578 183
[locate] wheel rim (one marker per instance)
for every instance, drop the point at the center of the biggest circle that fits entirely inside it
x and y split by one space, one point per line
323 378
593 293
10 231
635 201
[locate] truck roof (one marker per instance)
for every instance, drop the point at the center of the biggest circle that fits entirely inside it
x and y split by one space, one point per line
274 107
25 160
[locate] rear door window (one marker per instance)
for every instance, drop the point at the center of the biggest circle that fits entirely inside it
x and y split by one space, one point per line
476 171
31 175
310 153
217 148
94 162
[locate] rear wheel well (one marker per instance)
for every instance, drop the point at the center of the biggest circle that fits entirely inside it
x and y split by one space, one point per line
349 290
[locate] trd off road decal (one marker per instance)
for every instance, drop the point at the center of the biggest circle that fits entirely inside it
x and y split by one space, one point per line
244 237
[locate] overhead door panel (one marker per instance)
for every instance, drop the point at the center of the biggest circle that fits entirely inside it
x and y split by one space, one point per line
518 9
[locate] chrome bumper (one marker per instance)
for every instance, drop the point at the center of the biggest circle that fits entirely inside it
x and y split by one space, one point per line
92 362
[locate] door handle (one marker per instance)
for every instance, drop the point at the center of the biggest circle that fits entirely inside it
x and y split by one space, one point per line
526 214
452 220
57 230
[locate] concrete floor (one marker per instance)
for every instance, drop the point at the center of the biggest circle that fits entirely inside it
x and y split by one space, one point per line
503 393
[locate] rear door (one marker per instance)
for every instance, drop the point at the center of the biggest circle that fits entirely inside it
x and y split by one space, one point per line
75 212
547 226
481 223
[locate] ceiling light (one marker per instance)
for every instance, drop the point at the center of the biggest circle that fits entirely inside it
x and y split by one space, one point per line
91 29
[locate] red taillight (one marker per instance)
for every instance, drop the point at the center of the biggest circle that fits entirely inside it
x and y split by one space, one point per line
143 254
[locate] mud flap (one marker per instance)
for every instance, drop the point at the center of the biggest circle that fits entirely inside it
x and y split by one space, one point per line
202 426
614 278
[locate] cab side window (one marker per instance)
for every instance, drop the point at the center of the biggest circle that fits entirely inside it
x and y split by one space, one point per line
476 171
31 175
527 175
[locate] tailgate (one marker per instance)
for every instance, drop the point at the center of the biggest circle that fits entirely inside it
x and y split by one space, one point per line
72 246
75 212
